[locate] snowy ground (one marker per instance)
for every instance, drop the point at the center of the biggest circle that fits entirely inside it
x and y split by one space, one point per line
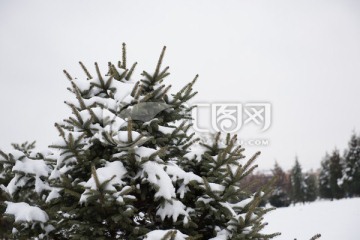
334 220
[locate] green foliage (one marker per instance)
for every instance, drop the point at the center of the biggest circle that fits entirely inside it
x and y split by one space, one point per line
311 186
335 175
324 178
280 197
219 164
21 183
351 170
331 176
297 183
127 164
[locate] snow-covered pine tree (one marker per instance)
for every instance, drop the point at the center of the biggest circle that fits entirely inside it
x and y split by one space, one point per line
311 186
335 168
23 184
297 183
351 171
280 196
128 166
330 179
324 178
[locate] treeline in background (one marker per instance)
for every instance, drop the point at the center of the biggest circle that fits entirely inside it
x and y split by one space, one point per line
338 177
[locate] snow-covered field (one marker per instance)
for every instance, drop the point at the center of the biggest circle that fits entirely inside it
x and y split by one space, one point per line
334 220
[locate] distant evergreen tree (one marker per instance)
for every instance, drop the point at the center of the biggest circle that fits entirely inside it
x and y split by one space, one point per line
336 175
330 177
254 182
311 186
351 171
297 183
280 197
324 178
127 165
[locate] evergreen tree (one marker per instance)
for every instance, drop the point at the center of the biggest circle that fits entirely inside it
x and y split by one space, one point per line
128 166
351 171
297 183
311 186
336 175
23 183
330 177
324 178
254 182
280 197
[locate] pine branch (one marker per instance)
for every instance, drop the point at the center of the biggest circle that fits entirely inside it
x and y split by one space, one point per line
99 76
158 66
317 236
68 75
129 130
135 88
85 70
96 178
123 56
128 76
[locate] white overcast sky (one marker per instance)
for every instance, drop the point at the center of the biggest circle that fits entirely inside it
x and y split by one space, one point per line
301 56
